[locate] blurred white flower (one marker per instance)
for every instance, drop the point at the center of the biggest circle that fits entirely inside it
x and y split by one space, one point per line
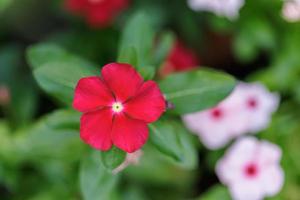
291 10
227 8
251 169
131 159
247 110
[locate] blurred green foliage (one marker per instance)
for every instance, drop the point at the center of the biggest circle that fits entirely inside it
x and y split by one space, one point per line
42 46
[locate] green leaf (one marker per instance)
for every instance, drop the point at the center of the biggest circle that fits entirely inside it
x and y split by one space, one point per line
128 55
196 90
96 182
113 158
137 42
60 78
57 71
172 139
216 192
55 135
164 47
40 54
4 4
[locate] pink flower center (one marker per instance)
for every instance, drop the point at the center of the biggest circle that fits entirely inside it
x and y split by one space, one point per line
251 170
252 103
217 113
117 107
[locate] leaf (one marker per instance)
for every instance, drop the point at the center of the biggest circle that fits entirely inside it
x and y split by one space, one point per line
172 139
113 158
164 47
57 71
96 183
40 54
55 135
216 192
23 92
137 42
128 55
196 90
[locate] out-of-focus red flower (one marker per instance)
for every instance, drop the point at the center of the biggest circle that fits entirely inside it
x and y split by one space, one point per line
117 108
180 58
98 13
4 95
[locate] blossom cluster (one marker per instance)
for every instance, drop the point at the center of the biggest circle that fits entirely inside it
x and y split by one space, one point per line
247 110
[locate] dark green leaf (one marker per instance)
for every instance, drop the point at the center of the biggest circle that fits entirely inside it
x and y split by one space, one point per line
96 182
113 158
196 90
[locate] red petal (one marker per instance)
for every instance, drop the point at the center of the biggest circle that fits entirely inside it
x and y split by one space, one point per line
148 104
99 18
95 129
91 93
129 134
76 5
122 79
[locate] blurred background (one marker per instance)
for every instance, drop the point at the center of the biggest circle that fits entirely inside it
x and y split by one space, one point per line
39 161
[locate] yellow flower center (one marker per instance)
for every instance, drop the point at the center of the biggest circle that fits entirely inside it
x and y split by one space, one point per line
117 107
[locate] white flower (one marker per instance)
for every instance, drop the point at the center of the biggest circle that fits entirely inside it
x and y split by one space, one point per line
251 169
291 10
247 110
131 159
227 8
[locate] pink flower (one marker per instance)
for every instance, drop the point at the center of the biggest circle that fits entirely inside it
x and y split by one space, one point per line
131 159
117 108
256 104
180 58
251 169
247 110
98 13
291 10
229 8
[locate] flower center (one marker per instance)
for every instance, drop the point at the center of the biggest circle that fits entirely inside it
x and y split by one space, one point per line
217 113
117 107
251 170
252 103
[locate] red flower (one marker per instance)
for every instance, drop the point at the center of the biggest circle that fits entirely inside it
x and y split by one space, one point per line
117 108
180 59
98 13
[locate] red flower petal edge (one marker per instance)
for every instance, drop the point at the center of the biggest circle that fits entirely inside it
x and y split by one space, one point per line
180 58
117 108
98 13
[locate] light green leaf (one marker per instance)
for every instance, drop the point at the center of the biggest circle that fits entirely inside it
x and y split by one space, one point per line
196 90
216 192
59 78
137 42
96 182
172 139
55 135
